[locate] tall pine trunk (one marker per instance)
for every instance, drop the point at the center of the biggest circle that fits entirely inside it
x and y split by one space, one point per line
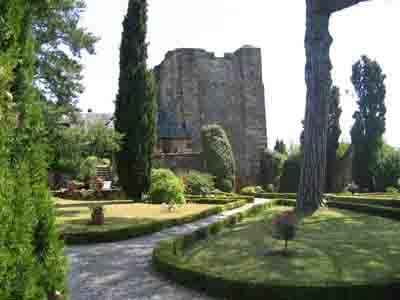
318 81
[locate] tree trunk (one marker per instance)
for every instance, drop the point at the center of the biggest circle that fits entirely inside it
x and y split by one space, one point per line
318 81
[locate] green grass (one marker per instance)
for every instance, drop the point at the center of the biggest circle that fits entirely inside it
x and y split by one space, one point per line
73 216
331 247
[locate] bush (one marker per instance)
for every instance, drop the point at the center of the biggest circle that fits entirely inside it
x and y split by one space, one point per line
225 185
197 183
291 175
88 168
252 190
391 190
166 187
218 156
270 188
271 167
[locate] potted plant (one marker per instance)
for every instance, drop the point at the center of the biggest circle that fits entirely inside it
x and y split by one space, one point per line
284 228
97 215
71 186
98 184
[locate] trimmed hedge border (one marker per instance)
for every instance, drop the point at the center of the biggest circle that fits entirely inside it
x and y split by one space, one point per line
138 230
165 260
218 200
273 195
363 200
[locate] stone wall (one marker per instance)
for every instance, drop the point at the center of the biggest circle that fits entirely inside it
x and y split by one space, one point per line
195 88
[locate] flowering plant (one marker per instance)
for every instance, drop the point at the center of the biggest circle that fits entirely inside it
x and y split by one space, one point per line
284 227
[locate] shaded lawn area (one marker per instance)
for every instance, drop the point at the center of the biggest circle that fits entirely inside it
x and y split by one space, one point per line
73 216
331 247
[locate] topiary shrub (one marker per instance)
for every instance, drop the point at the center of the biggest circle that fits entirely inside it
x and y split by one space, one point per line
166 187
197 183
218 156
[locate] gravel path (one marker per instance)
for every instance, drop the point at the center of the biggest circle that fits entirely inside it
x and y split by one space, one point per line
122 270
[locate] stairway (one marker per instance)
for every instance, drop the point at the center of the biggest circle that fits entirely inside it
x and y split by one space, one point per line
104 172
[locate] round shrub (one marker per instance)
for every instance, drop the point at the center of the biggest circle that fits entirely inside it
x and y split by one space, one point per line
391 190
225 185
166 187
197 183
218 156
252 190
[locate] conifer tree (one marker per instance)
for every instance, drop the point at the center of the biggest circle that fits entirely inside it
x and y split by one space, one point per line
135 105
280 147
369 126
333 135
31 254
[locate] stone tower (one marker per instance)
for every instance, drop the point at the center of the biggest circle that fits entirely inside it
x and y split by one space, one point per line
195 88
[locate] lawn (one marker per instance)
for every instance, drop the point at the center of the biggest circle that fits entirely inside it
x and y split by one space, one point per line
73 216
331 247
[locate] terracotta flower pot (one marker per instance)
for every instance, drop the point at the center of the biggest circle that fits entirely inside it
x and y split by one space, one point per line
98 219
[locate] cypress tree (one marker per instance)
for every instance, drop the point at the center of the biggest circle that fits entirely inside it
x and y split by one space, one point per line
135 105
31 254
369 126
333 135
280 147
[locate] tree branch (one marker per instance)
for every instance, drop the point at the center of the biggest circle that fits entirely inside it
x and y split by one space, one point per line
331 6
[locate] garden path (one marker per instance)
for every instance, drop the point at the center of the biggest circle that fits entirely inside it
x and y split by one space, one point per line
122 270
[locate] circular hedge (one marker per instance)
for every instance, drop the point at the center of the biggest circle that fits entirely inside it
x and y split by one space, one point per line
219 277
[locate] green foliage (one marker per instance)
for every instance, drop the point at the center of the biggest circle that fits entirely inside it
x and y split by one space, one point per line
60 43
135 105
387 172
391 190
218 156
69 150
290 178
248 190
271 167
87 169
369 126
166 187
102 141
197 183
31 255
280 147
342 149
72 145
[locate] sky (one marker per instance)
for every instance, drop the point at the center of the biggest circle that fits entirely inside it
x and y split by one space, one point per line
277 27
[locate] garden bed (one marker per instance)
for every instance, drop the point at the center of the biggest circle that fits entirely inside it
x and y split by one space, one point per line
124 221
337 254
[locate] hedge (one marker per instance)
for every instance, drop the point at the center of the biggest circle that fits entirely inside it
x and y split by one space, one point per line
138 230
273 195
364 200
166 260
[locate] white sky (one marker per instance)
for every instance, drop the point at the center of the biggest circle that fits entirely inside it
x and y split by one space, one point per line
277 27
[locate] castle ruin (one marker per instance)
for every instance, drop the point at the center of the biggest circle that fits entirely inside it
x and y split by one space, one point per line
196 88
